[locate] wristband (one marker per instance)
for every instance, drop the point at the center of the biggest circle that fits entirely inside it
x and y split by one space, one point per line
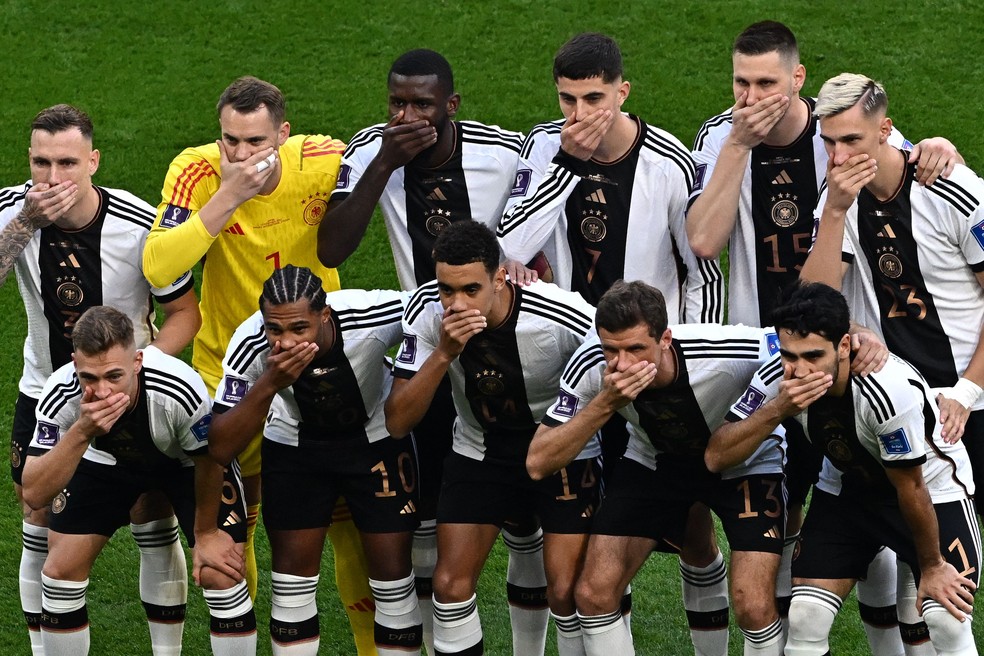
966 392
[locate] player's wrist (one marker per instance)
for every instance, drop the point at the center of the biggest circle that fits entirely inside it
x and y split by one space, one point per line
965 392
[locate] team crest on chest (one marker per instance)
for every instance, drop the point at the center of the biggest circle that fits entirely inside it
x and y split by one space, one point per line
888 262
490 382
593 226
315 207
437 220
68 291
784 210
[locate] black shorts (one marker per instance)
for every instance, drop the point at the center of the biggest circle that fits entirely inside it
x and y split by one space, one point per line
21 434
98 499
476 492
840 537
378 480
803 463
640 502
433 437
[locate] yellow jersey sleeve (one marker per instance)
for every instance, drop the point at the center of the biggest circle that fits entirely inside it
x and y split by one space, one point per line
178 239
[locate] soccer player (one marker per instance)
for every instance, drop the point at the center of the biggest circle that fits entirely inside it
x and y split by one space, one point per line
911 258
673 386
111 425
889 477
249 204
308 369
75 245
760 165
426 170
603 195
503 346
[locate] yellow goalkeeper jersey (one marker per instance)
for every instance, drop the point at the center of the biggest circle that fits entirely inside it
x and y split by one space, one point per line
265 233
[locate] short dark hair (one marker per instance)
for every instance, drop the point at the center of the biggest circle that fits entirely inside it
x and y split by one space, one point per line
813 307
589 55
421 63
464 242
291 284
59 118
765 37
100 328
628 304
248 94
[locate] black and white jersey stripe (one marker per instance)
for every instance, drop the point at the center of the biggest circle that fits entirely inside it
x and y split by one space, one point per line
175 387
961 199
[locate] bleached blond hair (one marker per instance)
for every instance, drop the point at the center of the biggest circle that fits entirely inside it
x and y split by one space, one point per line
839 94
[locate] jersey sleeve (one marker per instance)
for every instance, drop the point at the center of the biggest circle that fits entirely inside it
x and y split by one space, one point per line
704 283
57 409
192 424
545 177
178 239
763 387
421 327
893 417
965 193
707 148
360 152
244 362
580 382
11 202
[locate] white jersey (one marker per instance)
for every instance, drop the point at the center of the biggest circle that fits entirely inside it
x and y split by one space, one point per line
341 393
714 363
62 273
418 202
166 427
506 377
598 223
774 225
885 419
913 276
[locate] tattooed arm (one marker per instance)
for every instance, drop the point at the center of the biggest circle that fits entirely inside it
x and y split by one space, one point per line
43 205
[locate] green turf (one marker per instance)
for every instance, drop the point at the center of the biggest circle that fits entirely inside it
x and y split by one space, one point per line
150 74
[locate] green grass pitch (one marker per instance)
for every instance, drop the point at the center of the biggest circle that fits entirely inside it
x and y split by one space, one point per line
150 74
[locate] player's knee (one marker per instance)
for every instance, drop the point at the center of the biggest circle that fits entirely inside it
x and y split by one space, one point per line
950 636
594 598
451 587
560 594
213 579
810 621
754 611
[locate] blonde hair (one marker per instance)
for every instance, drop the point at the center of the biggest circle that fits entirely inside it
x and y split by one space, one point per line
839 94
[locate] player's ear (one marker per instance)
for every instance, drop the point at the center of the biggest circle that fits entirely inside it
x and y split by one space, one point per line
623 92
94 162
799 77
326 314
138 362
884 130
666 339
283 134
454 102
844 348
499 279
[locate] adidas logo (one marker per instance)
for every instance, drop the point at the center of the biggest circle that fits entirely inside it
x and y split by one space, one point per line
588 512
597 197
408 509
886 232
772 533
235 229
232 519
437 194
782 178
70 261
